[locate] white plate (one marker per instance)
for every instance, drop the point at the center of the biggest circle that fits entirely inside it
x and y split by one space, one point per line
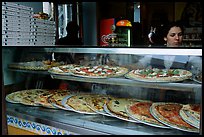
113 115
64 100
147 123
189 119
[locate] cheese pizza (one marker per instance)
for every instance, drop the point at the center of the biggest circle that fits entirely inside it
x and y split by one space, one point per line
140 111
159 75
103 71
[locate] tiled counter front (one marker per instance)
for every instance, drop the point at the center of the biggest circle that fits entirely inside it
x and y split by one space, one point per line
36 127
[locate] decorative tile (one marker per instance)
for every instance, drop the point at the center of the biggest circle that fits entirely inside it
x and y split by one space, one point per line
36 127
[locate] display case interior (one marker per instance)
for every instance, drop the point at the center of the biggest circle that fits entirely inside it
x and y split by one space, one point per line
39 68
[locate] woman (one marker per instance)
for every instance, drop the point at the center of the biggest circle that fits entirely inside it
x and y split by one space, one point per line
173 34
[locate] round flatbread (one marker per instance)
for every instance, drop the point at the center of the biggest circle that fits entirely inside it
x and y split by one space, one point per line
56 99
103 71
35 65
168 114
78 103
96 103
14 97
29 97
117 106
140 111
63 69
159 75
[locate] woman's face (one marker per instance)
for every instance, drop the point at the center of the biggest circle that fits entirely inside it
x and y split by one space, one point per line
174 37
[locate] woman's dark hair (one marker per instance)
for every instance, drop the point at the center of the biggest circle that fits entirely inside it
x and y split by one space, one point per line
168 26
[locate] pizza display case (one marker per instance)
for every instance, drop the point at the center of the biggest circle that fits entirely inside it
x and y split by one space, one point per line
42 120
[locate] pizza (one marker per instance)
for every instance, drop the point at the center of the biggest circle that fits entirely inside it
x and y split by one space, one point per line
42 99
14 97
78 103
96 103
159 75
63 69
191 114
29 97
117 106
56 98
168 114
35 65
140 111
100 71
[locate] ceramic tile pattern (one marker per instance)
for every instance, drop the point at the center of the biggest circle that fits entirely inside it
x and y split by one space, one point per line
36 127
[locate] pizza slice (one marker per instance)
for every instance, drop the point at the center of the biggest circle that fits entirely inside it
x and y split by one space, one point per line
117 106
96 102
78 103
56 98
42 99
30 96
14 97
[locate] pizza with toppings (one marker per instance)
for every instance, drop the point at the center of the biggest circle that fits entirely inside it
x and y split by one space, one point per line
56 99
35 65
63 69
42 99
159 75
96 103
168 114
77 103
140 111
103 71
14 97
116 106
191 114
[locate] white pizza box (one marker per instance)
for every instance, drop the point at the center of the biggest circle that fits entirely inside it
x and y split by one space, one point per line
17 29
18 36
19 25
43 44
12 4
16 32
43 41
17 21
19 40
44 31
17 14
10 17
45 37
36 20
44 26
44 34
43 23
17 44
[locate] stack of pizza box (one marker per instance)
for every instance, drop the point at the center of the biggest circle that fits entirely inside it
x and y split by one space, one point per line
19 28
44 32
16 24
